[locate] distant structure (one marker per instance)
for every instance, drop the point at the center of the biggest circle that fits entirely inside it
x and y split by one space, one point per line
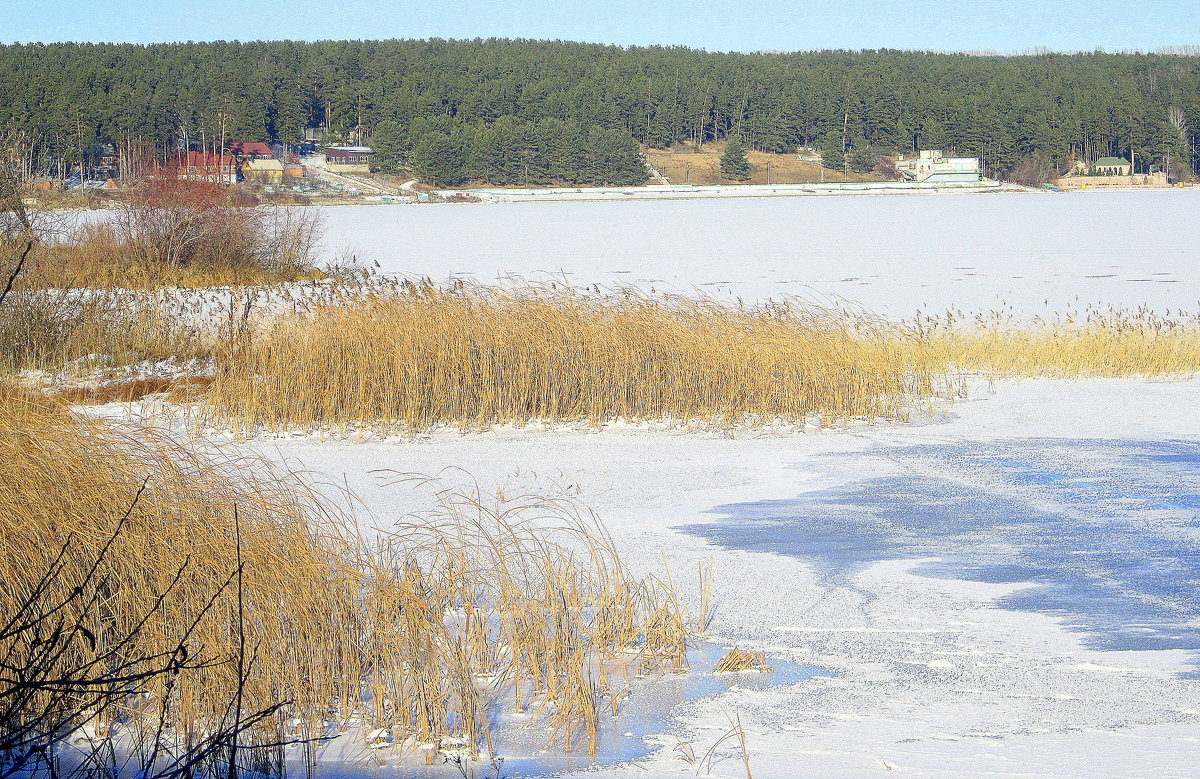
1110 172
348 159
250 150
933 167
1113 166
264 171
206 166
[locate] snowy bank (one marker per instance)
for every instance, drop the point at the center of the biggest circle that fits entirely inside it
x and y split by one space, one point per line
934 675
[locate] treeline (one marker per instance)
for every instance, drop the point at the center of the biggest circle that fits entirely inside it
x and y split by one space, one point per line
508 151
1002 109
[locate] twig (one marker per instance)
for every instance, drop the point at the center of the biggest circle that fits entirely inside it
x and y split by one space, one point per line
12 278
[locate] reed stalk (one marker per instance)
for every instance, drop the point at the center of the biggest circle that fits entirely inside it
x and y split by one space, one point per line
412 356
283 607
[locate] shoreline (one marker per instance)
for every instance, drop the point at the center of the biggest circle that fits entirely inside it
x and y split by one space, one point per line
697 192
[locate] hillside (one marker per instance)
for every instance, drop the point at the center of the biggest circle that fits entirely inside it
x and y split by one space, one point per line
703 166
423 103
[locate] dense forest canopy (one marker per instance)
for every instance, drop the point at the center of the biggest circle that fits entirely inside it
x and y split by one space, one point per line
512 104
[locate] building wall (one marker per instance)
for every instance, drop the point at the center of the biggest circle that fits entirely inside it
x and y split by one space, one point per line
934 167
948 177
1141 180
339 167
264 176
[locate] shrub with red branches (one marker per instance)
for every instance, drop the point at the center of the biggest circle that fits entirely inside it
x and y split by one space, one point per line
175 223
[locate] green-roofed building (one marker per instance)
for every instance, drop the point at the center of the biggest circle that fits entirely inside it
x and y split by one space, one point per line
1113 166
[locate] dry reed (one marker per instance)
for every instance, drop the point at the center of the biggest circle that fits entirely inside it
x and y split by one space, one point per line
413 356
1097 342
738 660
411 639
46 330
94 256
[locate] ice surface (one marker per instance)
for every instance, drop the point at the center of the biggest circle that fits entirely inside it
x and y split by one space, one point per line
895 254
1054 635
936 672
621 739
1109 531
1008 590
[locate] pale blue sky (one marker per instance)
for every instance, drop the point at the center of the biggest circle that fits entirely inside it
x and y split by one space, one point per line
748 25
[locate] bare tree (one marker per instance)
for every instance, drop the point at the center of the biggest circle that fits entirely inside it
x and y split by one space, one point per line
23 225
1178 120
18 235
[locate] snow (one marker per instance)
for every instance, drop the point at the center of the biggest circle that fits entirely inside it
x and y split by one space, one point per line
893 254
1028 629
934 674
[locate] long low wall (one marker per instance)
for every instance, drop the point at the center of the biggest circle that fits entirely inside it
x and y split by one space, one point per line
348 167
683 191
1087 182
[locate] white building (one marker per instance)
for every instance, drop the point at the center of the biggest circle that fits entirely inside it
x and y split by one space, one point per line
935 168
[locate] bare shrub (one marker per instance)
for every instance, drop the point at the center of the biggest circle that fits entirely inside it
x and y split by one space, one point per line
169 224
174 222
1033 171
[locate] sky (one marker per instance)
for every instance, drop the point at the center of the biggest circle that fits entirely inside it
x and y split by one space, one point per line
1007 26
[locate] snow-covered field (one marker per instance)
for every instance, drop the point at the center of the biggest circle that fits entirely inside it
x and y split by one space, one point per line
893 254
937 670
1006 587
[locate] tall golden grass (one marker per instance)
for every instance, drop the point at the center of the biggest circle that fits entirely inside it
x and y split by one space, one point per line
1109 342
412 356
47 329
357 354
409 640
97 256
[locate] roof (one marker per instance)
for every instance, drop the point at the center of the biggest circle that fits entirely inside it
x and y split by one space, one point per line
1111 162
356 149
251 149
204 159
265 165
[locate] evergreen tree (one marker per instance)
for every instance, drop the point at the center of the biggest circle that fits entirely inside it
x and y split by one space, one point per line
440 160
832 156
68 96
862 158
391 147
734 163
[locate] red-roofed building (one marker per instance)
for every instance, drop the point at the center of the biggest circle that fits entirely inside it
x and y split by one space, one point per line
206 166
251 150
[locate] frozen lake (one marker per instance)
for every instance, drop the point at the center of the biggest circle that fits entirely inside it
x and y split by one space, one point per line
1107 532
892 254
1052 628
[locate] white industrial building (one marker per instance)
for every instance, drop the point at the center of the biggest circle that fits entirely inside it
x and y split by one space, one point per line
933 167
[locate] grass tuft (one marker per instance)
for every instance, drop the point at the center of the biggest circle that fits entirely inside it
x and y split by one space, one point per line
738 660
